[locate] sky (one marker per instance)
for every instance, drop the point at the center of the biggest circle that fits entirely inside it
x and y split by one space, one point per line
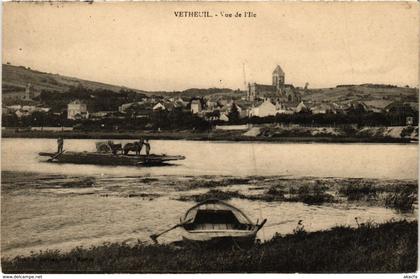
145 46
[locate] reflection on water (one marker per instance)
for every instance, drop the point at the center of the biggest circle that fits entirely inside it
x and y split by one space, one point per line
236 159
54 210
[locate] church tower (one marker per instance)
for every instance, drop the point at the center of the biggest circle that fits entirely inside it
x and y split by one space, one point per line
278 77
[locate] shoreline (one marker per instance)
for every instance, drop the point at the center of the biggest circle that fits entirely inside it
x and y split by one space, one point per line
201 136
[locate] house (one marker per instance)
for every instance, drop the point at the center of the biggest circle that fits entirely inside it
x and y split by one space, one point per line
77 110
267 108
223 117
228 108
323 109
211 105
21 111
402 108
159 106
179 103
123 108
356 107
409 121
301 108
196 106
377 105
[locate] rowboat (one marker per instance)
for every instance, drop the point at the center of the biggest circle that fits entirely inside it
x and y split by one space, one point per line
216 221
99 158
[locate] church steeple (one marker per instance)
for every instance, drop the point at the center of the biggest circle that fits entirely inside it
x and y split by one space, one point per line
278 77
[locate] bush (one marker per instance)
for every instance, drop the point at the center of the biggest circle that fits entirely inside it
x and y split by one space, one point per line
312 195
355 192
402 199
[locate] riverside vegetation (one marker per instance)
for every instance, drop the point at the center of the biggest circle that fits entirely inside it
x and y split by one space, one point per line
401 196
389 247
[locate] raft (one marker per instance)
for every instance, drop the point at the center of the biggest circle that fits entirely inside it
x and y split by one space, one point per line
98 158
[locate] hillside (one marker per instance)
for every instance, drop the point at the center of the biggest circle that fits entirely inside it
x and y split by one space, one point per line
364 92
15 78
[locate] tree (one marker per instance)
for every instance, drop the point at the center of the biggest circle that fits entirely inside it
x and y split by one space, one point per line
233 114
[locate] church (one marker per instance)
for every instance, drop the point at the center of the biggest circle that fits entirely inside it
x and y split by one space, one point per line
278 91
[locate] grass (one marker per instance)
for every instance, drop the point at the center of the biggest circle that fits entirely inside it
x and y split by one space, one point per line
402 199
212 194
356 192
398 195
388 247
305 194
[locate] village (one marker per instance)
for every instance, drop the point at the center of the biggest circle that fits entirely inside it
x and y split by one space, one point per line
278 102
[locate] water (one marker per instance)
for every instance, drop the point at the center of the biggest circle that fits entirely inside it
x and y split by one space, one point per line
395 161
40 212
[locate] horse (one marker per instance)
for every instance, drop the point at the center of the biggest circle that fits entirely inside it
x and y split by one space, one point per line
133 146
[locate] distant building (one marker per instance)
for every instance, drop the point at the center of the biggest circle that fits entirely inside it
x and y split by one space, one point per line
277 90
267 108
301 108
409 121
77 110
196 106
159 106
323 109
224 117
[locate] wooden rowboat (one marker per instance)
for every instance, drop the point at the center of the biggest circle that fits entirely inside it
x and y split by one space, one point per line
97 158
216 221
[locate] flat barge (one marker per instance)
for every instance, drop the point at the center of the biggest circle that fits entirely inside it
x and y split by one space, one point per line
99 158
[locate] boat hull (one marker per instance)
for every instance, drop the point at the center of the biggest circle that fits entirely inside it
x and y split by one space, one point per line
96 158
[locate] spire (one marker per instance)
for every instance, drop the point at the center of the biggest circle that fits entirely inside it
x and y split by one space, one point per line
278 70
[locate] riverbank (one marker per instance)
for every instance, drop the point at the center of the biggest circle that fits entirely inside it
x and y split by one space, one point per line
388 247
291 136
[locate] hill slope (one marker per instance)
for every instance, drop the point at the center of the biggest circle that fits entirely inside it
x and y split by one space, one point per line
15 78
363 92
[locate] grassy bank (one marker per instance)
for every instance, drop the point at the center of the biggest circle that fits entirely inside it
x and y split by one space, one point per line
389 247
206 136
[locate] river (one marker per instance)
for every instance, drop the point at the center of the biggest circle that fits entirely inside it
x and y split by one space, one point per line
395 161
44 206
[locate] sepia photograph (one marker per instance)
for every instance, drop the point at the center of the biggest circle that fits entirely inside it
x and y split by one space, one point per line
209 137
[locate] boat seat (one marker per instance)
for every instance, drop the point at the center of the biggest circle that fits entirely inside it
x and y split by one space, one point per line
208 219
207 226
